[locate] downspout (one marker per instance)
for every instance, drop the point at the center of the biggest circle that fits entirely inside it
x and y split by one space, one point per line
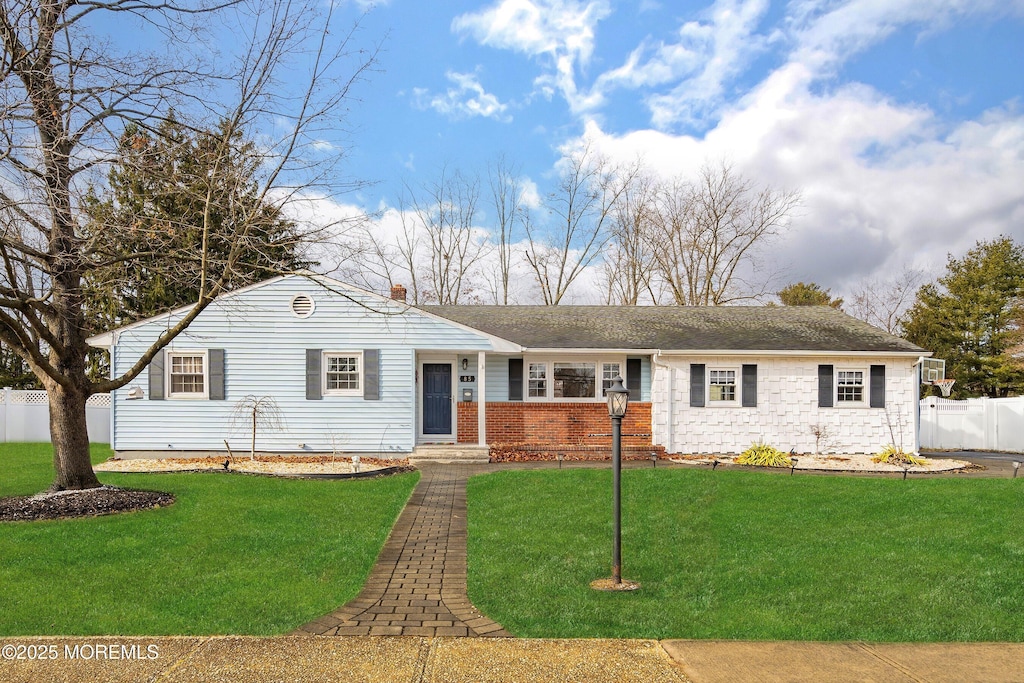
918 365
113 404
655 362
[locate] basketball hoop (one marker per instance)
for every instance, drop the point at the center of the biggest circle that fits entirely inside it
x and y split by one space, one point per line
945 385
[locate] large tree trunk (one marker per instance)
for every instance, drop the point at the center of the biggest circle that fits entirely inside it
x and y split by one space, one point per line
70 438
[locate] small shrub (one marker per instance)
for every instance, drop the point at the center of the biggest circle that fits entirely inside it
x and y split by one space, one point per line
763 455
897 456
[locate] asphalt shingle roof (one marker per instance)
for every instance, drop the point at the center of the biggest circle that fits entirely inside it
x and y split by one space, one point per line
677 328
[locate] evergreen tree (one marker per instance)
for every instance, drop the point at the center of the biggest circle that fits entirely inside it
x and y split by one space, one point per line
807 294
972 318
154 204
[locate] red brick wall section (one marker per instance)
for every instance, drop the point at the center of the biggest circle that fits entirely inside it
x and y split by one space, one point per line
467 424
555 424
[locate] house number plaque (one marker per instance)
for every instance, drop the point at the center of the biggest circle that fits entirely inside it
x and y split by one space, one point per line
467 378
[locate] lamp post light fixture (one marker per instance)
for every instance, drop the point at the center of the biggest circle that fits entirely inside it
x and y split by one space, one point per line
618 400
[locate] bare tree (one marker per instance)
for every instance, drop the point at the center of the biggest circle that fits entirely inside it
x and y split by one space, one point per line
381 261
885 302
66 97
628 265
581 206
446 210
706 236
506 200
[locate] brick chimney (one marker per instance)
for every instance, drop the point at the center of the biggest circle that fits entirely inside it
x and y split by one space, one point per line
398 293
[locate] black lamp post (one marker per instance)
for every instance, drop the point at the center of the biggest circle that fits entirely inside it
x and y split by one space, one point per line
618 399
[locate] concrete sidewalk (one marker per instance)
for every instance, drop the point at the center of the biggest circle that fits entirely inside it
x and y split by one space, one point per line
482 660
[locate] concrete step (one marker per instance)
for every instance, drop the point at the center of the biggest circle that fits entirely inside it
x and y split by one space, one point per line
450 453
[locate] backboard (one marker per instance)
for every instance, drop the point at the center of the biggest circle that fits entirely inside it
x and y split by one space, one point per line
932 370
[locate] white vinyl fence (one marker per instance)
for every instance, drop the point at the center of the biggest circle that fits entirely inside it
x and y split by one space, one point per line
984 424
25 416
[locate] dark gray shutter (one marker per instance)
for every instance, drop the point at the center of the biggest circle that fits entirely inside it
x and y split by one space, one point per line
824 386
749 386
216 362
515 379
313 392
633 378
371 374
877 386
156 377
696 385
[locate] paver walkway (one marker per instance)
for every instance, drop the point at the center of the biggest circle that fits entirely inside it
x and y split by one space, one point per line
418 586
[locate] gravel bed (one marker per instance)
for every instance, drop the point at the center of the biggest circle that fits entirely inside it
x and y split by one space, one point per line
838 463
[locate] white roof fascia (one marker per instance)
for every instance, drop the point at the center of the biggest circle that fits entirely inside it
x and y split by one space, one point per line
792 352
590 351
500 345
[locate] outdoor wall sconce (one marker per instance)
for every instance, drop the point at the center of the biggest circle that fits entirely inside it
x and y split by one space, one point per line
465 364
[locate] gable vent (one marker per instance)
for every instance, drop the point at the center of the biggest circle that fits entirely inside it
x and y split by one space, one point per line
302 305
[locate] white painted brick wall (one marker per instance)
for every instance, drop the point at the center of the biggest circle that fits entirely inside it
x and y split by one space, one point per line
787 407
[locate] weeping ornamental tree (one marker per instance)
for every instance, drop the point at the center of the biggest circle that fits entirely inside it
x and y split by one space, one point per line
69 95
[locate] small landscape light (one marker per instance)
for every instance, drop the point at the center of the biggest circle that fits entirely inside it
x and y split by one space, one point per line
654 459
906 468
226 464
792 462
560 457
714 464
1016 467
355 462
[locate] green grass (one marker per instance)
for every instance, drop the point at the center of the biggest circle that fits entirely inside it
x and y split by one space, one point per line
235 554
750 556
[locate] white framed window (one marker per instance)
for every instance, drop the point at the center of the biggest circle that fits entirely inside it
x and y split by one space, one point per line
849 387
342 373
538 380
186 374
571 379
609 371
722 386
574 380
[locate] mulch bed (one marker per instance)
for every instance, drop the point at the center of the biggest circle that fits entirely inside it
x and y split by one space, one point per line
106 500
545 453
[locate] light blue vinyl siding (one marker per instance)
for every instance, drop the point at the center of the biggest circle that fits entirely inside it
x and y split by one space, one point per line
264 355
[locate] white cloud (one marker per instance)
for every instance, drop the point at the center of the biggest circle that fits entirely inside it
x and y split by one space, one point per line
826 33
558 32
466 99
529 195
882 183
704 59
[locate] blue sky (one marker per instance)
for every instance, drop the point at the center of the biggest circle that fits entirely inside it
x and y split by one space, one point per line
899 121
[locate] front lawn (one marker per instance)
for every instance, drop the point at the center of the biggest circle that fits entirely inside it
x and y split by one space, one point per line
235 554
750 556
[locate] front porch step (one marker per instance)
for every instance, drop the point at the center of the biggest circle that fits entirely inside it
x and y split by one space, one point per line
450 453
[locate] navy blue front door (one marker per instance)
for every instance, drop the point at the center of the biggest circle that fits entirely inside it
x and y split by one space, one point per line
437 398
